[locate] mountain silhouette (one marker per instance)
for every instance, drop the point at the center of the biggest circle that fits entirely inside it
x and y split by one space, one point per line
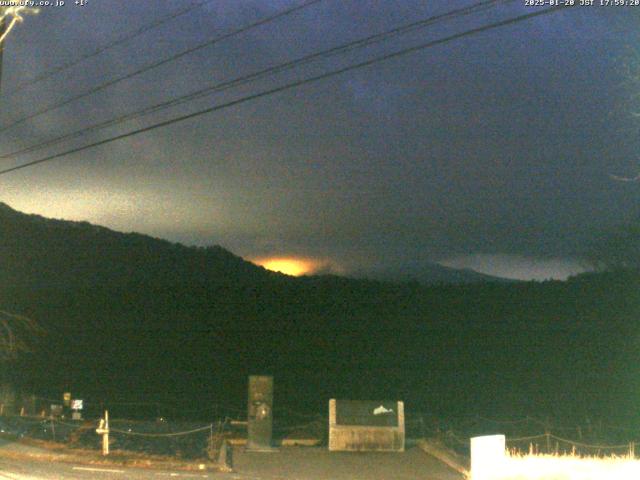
38 251
426 274
130 317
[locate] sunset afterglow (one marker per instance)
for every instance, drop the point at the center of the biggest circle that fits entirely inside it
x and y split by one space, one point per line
289 265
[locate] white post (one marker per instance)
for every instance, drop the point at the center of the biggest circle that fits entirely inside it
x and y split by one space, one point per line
487 456
332 424
103 429
105 437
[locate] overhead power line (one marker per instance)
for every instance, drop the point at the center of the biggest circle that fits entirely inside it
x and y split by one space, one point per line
118 41
359 43
294 84
164 61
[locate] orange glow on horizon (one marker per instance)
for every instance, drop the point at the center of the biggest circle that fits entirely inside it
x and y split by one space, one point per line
288 265
298 266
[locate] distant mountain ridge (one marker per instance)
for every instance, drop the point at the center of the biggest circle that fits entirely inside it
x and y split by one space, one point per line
426 274
130 316
37 250
80 251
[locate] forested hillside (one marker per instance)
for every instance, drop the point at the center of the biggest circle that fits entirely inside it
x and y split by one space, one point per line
145 318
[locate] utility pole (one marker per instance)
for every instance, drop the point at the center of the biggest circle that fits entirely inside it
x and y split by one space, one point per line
3 29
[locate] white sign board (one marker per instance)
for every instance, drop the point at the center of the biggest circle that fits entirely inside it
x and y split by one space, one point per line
76 404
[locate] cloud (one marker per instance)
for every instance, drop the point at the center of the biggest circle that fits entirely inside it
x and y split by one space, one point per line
517 267
459 149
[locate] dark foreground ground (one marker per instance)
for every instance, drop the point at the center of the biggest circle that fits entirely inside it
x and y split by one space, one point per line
320 464
27 462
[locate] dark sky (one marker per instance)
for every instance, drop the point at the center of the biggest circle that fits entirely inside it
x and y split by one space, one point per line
492 151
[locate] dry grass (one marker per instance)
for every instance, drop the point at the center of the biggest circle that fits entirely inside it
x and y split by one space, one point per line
567 467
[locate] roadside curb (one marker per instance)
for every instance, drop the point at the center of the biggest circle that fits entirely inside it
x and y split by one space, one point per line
437 450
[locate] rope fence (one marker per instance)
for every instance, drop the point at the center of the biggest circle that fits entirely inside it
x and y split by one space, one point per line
170 436
576 443
591 438
159 435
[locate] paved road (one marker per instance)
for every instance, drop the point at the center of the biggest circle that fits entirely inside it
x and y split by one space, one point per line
320 464
287 464
12 469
